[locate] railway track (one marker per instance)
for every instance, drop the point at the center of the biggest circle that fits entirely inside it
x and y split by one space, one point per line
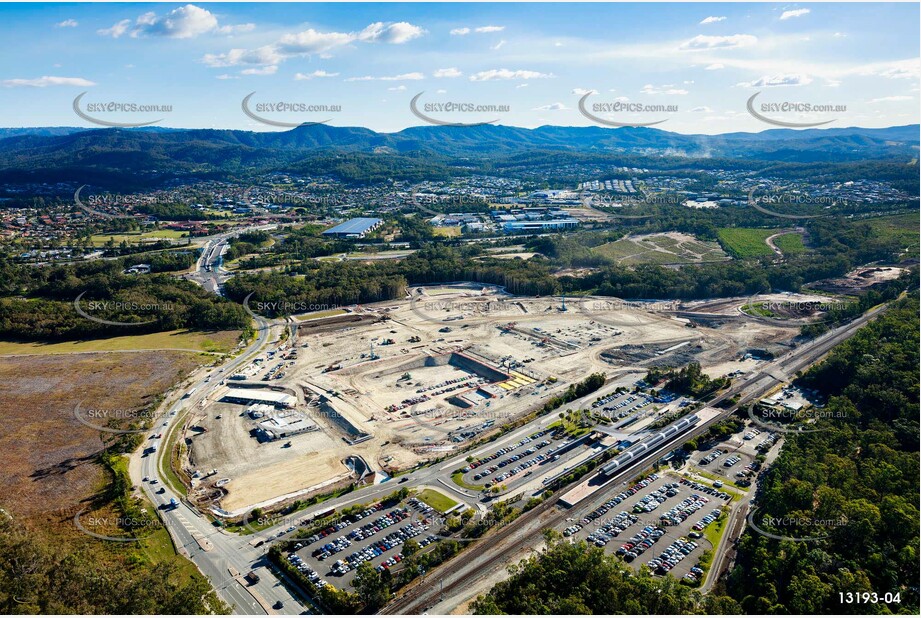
526 532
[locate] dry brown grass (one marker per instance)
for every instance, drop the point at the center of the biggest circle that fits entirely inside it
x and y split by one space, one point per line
49 458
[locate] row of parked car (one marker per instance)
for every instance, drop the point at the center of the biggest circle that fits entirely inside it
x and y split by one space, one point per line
421 507
623 408
312 576
751 433
640 542
711 457
655 499
672 555
381 523
378 548
731 461
604 508
341 525
767 443
707 520
344 542
684 509
611 529
508 449
707 490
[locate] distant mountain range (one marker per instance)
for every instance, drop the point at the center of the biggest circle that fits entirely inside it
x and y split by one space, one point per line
187 150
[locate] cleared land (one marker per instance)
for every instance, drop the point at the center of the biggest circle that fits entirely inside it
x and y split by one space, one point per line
401 382
744 242
216 342
50 456
671 248
100 240
52 471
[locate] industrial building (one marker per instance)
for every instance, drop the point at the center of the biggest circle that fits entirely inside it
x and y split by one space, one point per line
354 228
285 425
249 396
539 226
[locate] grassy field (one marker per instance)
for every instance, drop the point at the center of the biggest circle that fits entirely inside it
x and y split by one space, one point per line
99 240
745 242
436 500
903 228
661 249
790 244
319 314
216 342
448 232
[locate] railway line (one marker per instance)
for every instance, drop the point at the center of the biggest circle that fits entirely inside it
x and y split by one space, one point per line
481 560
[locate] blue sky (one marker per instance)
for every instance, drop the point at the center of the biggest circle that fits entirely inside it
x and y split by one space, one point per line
704 59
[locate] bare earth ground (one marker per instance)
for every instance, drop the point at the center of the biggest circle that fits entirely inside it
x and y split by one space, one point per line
49 463
335 360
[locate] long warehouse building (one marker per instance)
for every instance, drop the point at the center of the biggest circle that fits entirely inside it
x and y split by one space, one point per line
354 228
248 396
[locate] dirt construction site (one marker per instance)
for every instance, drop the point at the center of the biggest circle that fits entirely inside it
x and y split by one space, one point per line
385 387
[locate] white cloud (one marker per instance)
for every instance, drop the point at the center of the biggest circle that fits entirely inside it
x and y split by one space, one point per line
479 30
496 74
116 30
794 13
397 88
67 23
622 99
840 35
703 41
664 89
521 86
395 33
236 29
891 99
313 41
266 55
899 73
266 70
452 72
552 107
769 81
392 78
582 91
48 80
184 22
702 108
498 45
441 91
716 66
316 74
227 76
711 20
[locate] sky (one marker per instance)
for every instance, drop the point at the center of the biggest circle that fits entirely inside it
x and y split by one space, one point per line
691 67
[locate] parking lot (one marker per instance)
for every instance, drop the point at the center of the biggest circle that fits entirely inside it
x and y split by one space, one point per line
374 535
519 461
623 409
660 522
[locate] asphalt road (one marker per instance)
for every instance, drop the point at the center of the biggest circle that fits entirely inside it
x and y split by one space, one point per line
225 558
477 564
